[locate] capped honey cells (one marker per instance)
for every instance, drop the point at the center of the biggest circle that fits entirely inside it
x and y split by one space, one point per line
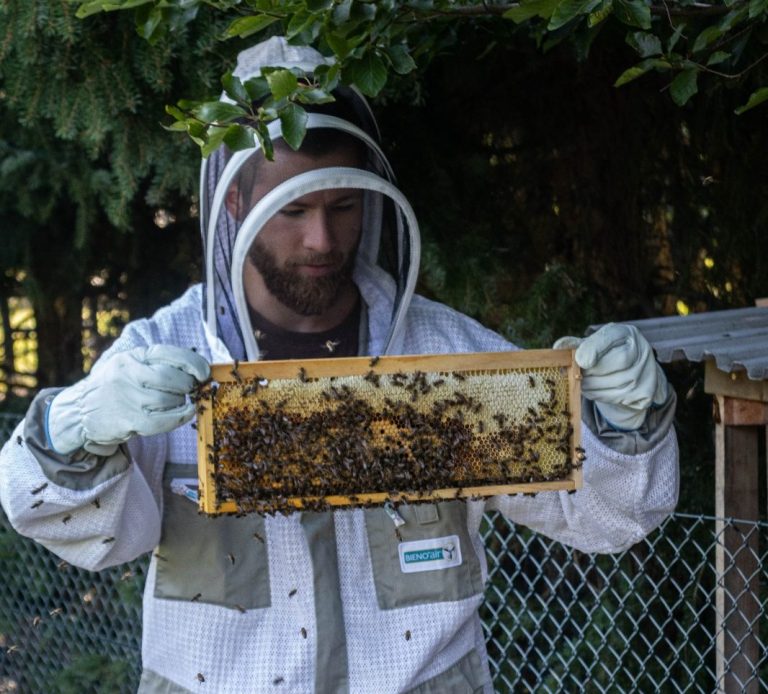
286 436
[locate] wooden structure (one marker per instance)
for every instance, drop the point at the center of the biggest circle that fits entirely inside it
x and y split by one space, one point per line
512 418
734 347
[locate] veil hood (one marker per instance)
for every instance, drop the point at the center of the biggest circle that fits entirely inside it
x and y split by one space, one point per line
389 239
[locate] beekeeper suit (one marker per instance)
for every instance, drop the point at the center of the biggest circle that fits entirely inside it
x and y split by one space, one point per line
310 601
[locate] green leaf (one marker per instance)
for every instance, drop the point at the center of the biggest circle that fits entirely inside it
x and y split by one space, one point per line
757 7
282 83
338 44
757 97
675 37
319 5
644 43
257 88
234 88
369 74
684 86
213 141
218 112
601 13
176 112
89 8
245 26
567 10
640 69
718 57
341 12
402 63
633 12
706 37
314 96
293 123
238 137
534 8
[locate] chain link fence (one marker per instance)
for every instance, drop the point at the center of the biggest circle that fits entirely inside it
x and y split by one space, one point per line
658 617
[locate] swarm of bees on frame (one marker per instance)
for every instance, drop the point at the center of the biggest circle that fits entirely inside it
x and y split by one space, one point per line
400 433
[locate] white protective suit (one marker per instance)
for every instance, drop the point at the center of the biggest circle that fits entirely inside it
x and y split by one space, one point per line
310 602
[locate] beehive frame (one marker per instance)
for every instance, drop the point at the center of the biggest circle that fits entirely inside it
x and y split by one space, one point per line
545 377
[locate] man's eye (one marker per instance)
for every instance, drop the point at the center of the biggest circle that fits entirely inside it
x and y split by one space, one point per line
291 212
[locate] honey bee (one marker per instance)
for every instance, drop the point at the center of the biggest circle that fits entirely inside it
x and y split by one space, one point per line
407 634
39 489
96 502
258 537
36 620
292 592
56 611
107 540
373 361
19 440
303 632
302 375
278 680
240 609
331 345
200 677
37 503
231 558
66 518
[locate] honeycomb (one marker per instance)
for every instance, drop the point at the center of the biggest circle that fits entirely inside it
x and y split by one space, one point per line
306 441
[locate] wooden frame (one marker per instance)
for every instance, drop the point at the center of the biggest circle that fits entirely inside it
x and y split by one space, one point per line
467 364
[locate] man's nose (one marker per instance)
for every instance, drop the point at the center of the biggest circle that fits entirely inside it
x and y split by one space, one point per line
318 234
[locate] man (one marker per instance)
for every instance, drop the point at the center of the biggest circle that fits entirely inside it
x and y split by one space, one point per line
310 601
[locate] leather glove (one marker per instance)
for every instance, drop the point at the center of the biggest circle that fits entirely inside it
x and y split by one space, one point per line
619 373
140 391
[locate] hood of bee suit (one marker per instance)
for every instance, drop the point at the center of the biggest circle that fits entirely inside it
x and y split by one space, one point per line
389 238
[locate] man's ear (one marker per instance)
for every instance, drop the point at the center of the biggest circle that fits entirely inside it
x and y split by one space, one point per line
234 202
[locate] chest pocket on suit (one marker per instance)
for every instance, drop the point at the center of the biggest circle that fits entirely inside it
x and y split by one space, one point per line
218 560
420 566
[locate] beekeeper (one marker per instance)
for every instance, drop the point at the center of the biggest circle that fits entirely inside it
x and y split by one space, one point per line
313 255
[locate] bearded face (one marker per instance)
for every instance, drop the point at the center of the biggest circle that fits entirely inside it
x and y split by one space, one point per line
306 294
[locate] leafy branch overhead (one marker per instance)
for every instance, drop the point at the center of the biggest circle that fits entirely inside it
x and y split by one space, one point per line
722 42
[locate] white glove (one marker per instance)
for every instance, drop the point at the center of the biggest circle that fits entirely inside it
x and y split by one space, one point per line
619 373
139 391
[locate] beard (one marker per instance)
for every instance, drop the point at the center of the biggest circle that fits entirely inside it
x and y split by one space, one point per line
307 296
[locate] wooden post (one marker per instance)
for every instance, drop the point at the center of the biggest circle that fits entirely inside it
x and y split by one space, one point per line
739 424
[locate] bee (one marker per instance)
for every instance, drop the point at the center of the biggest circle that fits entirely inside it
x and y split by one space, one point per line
66 518
292 592
459 376
107 540
231 558
126 575
19 440
200 677
39 489
62 565
302 375
37 503
407 634
12 649
96 502
259 334
221 310
303 632
196 597
56 611
240 609
531 381
235 373
36 620
331 345
373 361
160 556
278 680
258 537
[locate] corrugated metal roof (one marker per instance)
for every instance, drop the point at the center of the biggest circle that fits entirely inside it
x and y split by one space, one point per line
736 339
